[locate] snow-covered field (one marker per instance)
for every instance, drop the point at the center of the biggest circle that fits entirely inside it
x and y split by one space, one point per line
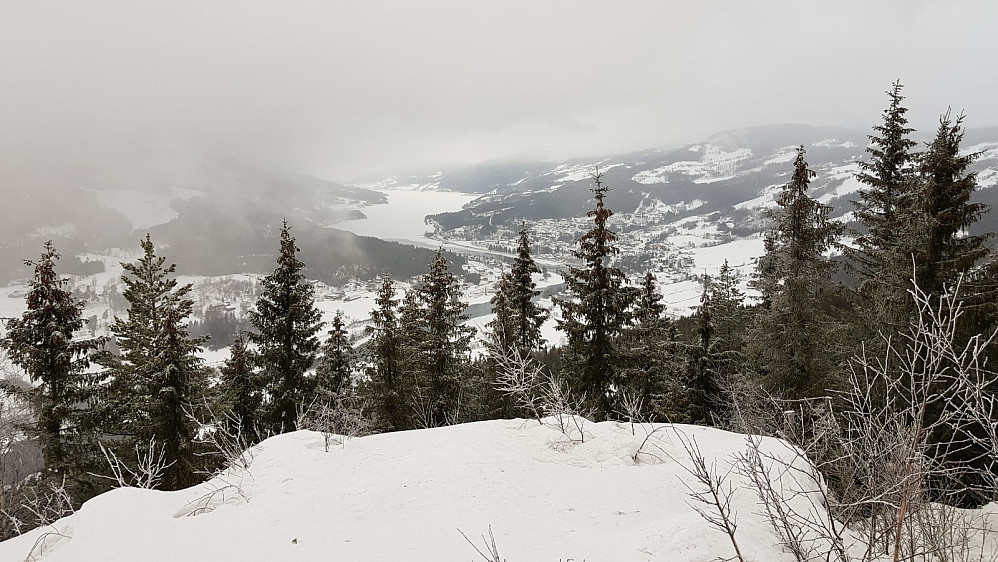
409 495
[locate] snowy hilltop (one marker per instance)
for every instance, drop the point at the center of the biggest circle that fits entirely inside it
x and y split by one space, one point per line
546 494
554 491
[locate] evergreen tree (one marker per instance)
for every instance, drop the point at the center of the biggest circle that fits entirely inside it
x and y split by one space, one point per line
527 317
518 320
387 387
333 374
649 350
882 257
412 335
789 341
728 311
150 290
945 249
179 378
502 328
703 389
648 308
157 378
598 314
286 324
445 344
241 388
42 342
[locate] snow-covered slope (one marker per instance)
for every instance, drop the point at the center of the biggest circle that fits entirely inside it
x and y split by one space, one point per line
404 496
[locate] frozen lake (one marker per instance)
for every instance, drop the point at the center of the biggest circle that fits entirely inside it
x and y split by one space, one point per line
403 217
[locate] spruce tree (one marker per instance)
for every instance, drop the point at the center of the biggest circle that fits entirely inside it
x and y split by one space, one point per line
445 346
703 389
595 318
945 248
387 384
241 389
789 340
286 324
502 354
150 290
527 317
157 378
502 328
412 336
729 314
42 342
882 257
179 378
518 319
336 361
648 350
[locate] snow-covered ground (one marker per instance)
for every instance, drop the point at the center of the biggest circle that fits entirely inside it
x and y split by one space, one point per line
409 496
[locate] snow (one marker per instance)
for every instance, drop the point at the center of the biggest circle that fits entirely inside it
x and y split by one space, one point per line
785 155
64 230
681 297
714 179
652 207
849 186
765 200
392 183
988 177
573 173
406 495
987 150
715 164
741 255
835 143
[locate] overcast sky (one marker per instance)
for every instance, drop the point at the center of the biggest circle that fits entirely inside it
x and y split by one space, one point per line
339 89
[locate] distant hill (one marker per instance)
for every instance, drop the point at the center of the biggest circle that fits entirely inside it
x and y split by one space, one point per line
702 194
222 223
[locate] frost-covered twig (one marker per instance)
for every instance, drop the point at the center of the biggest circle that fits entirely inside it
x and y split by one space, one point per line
522 378
150 464
336 419
491 553
717 493
224 438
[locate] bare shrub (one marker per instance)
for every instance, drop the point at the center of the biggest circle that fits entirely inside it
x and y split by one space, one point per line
805 528
150 463
631 404
422 410
878 465
223 438
222 488
37 503
713 501
337 419
521 378
546 396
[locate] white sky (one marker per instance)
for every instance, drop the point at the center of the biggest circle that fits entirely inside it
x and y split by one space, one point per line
108 90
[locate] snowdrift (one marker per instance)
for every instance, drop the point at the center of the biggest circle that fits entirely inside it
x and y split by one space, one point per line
406 495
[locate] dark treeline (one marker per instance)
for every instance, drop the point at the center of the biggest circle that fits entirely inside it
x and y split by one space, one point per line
624 358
